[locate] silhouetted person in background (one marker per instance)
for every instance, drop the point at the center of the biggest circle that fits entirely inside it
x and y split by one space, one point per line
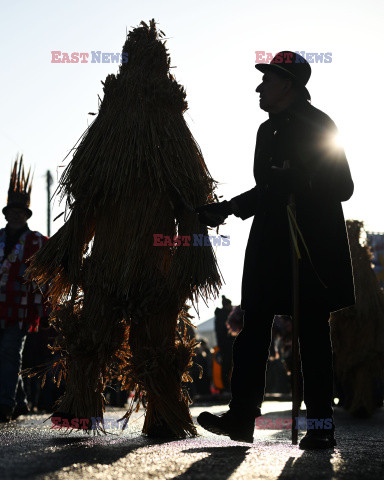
21 304
203 360
224 341
295 153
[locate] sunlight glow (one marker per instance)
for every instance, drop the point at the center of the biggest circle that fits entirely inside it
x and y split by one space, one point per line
339 141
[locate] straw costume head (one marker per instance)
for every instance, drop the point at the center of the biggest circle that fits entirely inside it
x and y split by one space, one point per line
20 187
135 173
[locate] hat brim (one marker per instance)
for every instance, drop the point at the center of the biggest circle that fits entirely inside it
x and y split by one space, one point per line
276 68
27 210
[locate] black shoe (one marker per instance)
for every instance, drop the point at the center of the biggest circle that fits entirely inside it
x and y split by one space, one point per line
231 424
5 413
20 410
318 439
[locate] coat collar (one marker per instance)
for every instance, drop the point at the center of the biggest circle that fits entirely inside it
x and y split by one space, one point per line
294 110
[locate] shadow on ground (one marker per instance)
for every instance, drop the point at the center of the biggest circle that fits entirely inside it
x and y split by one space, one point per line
34 455
228 459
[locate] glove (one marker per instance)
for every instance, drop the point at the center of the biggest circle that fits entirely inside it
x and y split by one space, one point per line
288 180
214 214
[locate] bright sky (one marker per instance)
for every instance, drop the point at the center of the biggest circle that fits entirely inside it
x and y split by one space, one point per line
44 105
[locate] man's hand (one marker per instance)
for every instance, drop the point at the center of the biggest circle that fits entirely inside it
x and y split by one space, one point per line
214 214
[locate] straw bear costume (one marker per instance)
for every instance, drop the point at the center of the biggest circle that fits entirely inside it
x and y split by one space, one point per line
120 301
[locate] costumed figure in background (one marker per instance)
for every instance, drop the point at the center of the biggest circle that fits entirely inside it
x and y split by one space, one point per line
119 280
358 335
21 303
224 341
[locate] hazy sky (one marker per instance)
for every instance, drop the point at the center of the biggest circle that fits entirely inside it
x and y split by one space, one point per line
44 105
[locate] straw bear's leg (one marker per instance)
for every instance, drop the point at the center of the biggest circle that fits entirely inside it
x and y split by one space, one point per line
154 340
91 349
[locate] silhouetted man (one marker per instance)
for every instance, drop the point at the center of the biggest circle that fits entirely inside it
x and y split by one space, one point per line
301 136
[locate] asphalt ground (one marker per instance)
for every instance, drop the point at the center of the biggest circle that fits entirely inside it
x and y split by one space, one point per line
30 449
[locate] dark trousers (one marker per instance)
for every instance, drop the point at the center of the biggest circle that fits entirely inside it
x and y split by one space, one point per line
12 340
250 354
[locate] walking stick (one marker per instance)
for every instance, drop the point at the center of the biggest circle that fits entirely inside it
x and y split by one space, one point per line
295 255
295 321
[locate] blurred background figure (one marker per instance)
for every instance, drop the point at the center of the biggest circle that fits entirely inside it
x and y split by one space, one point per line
224 341
202 370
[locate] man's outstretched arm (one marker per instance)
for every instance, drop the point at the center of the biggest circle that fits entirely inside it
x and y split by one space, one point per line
243 206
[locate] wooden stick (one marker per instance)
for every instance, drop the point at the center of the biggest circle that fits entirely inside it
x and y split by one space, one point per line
295 330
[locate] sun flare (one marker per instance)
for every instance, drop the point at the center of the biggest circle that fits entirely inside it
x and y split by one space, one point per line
338 141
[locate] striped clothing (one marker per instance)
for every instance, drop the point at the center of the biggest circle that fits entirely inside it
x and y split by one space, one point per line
20 301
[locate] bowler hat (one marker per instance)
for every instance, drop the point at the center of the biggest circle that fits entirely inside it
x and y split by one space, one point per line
290 65
20 205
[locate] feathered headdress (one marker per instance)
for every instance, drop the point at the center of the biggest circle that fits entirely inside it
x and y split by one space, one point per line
20 186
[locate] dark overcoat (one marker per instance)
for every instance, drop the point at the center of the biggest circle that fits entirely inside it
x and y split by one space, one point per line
305 137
